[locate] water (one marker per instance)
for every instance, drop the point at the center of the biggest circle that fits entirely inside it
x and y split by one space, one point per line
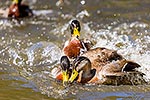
31 47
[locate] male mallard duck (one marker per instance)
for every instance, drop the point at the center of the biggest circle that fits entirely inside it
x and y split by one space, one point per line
63 72
74 46
104 66
62 2
19 10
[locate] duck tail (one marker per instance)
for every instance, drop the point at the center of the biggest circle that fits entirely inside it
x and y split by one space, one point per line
130 66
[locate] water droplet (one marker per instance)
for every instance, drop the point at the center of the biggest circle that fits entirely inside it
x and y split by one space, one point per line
3 38
98 11
82 2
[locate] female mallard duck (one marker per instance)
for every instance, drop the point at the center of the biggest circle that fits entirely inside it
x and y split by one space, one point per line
63 72
74 46
17 10
104 66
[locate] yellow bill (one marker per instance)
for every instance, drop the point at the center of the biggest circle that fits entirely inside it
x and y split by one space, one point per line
17 1
65 77
73 75
76 32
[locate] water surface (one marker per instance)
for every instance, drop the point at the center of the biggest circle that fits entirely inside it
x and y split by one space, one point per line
31 47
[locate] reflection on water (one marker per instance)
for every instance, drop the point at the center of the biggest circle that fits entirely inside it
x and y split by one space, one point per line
31 47
114 96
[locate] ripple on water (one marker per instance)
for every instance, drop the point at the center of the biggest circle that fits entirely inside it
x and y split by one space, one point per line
36 60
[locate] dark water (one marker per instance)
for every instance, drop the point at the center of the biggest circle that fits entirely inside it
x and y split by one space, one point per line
31 47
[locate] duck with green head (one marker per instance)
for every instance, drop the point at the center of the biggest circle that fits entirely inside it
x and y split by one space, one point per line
17 10
62 72
73 46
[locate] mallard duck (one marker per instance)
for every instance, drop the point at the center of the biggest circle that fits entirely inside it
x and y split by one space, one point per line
104 66
17 10
62 2
75 46
63 72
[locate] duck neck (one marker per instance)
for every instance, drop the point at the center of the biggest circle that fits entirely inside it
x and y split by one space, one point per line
86 75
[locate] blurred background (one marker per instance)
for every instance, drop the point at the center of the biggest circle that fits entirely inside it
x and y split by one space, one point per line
31 47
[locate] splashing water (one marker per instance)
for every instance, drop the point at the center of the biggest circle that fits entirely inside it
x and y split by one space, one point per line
31 48
36 61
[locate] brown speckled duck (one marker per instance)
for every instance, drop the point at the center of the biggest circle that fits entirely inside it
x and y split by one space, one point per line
104 66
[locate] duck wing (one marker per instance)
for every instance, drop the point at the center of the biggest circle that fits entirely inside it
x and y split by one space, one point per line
99 57
120 66
114 68
102 54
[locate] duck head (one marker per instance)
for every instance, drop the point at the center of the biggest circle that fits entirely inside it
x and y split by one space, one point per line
17 1
82 70
65 65
75 28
